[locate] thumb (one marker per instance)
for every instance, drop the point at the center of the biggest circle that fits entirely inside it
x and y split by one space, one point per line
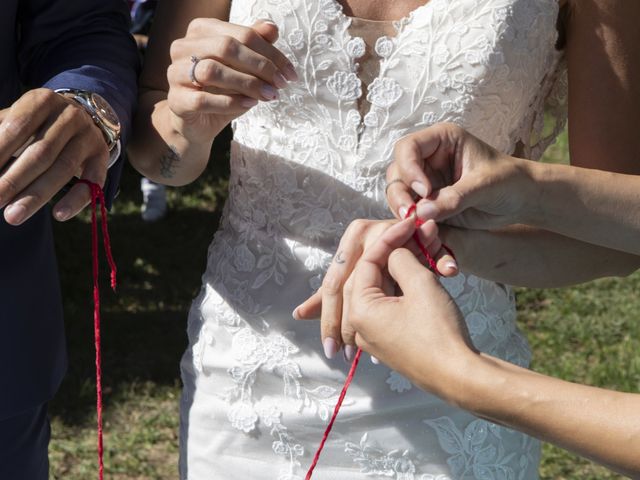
267 30
412 277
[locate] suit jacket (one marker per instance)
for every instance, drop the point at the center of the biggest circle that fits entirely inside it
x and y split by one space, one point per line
83 44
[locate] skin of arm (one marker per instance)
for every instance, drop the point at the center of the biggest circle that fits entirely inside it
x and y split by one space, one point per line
430 345
201 72
157 146
604 110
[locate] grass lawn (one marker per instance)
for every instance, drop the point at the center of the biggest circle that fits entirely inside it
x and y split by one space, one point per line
585 334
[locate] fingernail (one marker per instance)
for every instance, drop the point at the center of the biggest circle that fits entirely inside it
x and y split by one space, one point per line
451 265
295 314
420 189
15 214
426 210
249 102
374 360
62 214
279 81
268 92
290 73
330 347
403 212
349 352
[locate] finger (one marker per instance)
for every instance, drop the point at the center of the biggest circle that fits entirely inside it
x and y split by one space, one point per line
410 155
444 203
428 233
398 193
310 309
412 277
266 29
231 52
212 73
39 155
184 102
24 119
95 170
395 237
39 192
246 35
349 250
346 329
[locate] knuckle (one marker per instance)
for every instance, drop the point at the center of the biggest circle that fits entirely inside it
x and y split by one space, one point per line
42 149
175 49
210 71
9 185
358 227
197 101
196 25
332 284
227 47
69 163
248 36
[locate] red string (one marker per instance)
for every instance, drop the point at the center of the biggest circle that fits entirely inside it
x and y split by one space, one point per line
98 196
356 359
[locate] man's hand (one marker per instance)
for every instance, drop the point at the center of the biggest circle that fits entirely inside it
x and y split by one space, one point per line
461 179
66 143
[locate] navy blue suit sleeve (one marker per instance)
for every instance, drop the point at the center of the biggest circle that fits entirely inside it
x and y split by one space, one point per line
83 44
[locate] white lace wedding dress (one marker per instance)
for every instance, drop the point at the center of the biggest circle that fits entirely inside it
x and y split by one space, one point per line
258 390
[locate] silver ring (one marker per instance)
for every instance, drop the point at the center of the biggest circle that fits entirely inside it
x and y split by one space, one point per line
192 72
395 180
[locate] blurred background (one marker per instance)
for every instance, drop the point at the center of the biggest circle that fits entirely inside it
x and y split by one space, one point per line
588 334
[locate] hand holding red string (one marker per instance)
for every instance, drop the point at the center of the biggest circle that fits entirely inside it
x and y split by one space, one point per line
328 302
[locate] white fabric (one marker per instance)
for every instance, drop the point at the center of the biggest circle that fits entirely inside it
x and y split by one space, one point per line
258 389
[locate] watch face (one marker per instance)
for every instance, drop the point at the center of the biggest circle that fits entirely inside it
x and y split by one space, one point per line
106 113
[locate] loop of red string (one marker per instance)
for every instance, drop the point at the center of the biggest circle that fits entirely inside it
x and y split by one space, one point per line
352 371
97 196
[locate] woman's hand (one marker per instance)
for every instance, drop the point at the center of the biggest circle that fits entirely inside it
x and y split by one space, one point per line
238 67
420 333
461 179
335 292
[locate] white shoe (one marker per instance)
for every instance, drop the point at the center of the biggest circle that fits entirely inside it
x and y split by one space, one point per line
154 200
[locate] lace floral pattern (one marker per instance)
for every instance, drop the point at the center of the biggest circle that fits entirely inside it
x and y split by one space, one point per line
306 165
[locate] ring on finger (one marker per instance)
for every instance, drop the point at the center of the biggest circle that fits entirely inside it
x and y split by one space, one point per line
395 180
192 72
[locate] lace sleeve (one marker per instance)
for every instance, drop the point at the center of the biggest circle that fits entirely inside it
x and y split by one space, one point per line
548 115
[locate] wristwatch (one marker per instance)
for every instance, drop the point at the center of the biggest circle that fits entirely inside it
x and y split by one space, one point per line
100 111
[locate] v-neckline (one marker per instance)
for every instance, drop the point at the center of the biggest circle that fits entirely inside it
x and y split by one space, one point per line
399 24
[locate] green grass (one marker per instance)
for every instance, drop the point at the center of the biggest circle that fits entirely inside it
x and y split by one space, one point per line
586 334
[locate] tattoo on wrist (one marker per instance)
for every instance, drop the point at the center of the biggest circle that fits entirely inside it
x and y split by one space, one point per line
338 258
169 162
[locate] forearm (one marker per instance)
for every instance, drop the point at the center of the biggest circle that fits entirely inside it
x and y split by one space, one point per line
528 257
599 424
158 151
594 206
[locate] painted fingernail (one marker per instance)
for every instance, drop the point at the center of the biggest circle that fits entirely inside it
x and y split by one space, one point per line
268 92
420 189
290 73
15 214
349 352
403 212
249 102
426 210
374 360
62 214
330 347
279 81
451 265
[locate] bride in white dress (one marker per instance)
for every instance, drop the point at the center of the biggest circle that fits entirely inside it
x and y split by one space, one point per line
309 155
